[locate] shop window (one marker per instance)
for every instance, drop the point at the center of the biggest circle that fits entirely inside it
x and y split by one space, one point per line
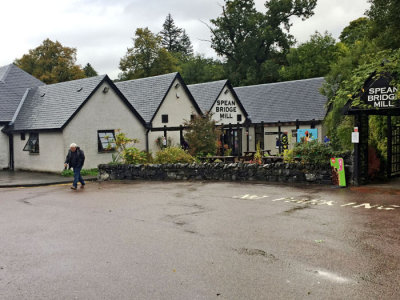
164 118
22 136
239 118
106 140
32 145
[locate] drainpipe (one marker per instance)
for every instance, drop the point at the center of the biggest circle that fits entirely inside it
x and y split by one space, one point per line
11 151
148 128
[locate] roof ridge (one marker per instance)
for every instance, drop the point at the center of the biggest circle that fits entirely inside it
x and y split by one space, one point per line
63 82
215 81
276 83
5 74
144 78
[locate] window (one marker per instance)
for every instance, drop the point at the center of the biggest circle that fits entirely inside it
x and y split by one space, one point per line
33 143
192 117
239 118
164 118
22 136
106 140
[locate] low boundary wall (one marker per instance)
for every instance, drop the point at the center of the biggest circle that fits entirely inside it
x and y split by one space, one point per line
273 172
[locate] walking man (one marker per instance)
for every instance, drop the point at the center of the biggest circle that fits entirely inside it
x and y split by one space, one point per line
75 159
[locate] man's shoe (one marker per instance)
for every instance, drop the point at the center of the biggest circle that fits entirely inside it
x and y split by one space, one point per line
82 186
73 188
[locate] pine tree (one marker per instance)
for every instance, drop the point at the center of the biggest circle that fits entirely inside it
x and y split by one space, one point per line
89 71
170 35
175 40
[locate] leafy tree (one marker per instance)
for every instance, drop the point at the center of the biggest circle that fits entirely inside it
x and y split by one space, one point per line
174 39
252 41
89 71
51 62
202 136
385 27
199 69
348 89
310 59
146 57
357 30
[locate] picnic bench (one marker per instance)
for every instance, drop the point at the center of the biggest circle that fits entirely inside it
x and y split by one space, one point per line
225 159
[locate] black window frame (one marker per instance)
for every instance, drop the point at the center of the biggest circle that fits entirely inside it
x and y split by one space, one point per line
111 145
32 145
164 119
23 136
239 118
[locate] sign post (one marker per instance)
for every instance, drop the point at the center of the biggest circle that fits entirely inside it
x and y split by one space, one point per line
338 174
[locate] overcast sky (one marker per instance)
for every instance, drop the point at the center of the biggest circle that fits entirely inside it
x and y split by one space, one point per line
101 30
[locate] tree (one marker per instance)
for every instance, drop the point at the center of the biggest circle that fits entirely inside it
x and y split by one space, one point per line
170 35
310 59
199 69
146 57
51 62
357 30
202 136
174 39
250 40
385 27
89 71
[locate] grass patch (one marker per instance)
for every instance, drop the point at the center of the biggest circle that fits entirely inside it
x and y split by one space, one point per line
84 172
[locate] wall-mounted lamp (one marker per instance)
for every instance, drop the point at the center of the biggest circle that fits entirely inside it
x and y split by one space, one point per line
178 95
105 90
177 85
226 91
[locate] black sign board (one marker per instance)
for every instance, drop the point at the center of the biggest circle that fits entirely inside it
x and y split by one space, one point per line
379 93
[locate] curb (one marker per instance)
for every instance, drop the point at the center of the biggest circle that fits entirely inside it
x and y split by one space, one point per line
43 183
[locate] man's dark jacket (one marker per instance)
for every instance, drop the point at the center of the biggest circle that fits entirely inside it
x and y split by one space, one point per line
75 159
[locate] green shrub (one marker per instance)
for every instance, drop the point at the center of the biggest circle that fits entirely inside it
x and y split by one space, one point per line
288 156
134 156
313 152
173 155
84 172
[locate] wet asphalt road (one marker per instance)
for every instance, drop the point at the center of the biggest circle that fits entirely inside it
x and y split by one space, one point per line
199 241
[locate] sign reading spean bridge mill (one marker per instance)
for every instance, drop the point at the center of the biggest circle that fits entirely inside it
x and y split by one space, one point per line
379 93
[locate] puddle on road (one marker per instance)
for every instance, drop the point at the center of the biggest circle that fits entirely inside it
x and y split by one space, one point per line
257 252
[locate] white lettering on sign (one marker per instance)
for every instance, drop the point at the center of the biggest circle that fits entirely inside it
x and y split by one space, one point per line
382 97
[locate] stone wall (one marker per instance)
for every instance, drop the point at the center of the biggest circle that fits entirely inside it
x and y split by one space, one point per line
273 172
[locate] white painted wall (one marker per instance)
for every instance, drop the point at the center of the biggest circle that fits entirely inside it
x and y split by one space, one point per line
51 156
103 111
229 116
270 140
177 109
4 150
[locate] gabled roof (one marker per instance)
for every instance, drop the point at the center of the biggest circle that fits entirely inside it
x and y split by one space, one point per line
147 94
284 101
205 94
53 106
13 84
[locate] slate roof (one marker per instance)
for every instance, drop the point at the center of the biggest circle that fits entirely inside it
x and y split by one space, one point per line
146 94
13 84
284 101
205 94
52 106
